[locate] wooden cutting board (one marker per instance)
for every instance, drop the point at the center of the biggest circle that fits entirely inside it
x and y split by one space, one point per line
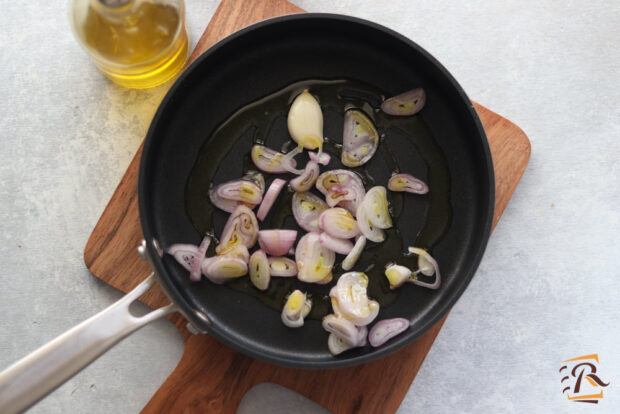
212 377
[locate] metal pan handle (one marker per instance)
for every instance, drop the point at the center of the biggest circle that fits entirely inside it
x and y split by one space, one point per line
36 375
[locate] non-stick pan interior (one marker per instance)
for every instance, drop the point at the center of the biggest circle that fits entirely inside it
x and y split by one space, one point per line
265 58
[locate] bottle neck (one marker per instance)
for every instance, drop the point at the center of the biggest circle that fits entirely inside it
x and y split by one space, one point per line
113 4
113 9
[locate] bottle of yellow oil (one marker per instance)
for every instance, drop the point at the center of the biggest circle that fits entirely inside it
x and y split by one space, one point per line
135 43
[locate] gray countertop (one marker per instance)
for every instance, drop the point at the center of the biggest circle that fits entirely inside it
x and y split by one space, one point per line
548 287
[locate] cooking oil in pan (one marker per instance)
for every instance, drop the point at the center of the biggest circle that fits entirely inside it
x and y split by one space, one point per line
135 43
261 118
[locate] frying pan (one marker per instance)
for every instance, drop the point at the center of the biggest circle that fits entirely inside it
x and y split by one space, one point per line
243 68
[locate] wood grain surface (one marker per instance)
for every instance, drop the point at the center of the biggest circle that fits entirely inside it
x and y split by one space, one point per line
212 377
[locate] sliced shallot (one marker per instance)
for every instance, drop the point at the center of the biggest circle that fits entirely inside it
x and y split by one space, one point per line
340 246
428 258
296 308
223 203
408 183
305 121
424 266
320 158
326 279
405 104
237 250
277 242
289 159
257 178
351 299
314 261
345 330
195 272
269 160
354 254
336 345
387 329
397 275
270 198
376 207
282 266
307 178
341 187
242 190
184 254
369 230
241 228
219 269
307 208
259 270
339 223
360 138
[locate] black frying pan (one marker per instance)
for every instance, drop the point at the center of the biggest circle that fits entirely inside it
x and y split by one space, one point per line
255 62
241 69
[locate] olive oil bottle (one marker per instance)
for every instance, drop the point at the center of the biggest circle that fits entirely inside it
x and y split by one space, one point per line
135 43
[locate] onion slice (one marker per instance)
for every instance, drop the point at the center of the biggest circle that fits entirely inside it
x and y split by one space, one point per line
354 254
305 121
406 104
423 253
270 198
241 228
307 208
282 266
307 178
269 160
222 268
360 138
259 270
277 242
340 246
387 329
314 261
338 222
408 183
184 254
246 191
322 158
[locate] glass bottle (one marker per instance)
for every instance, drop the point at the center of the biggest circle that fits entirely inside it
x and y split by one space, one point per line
135 43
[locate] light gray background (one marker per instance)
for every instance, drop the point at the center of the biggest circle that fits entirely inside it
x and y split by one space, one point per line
549 285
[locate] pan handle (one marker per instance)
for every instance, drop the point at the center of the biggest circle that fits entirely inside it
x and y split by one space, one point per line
36 375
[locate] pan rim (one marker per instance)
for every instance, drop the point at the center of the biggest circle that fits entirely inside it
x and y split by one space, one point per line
199 319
